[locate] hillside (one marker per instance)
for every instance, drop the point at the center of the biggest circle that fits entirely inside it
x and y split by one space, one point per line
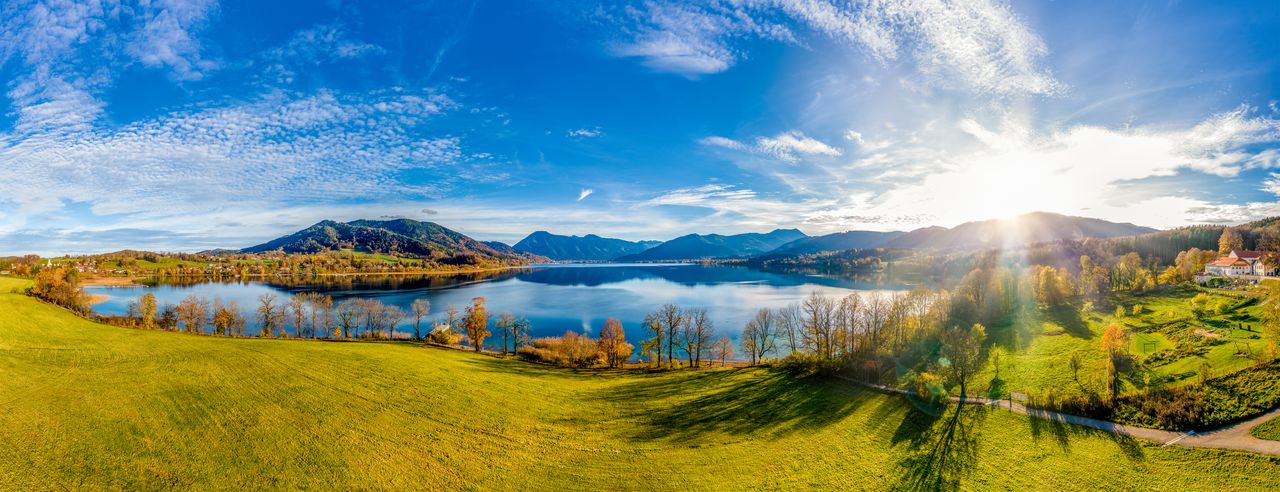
590 247
709 246
836 242
399 236
99 407
1018 231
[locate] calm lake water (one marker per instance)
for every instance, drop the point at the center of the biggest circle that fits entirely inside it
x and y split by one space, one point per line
555 298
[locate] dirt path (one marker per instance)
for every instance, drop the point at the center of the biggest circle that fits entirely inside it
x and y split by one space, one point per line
1235 436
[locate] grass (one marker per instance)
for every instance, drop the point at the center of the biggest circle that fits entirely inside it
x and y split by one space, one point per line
1269 430
1038 344
89 406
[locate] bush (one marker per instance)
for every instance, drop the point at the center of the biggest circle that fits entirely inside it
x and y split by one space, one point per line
444 337
570 350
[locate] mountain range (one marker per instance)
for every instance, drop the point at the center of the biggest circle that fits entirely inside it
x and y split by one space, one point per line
584 248
430 240
716 246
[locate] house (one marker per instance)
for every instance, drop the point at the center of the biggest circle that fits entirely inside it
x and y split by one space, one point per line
1254 258
1229 267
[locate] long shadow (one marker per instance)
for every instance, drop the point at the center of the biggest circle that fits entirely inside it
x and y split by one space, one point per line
944 451
1063 433
773 403
1069 319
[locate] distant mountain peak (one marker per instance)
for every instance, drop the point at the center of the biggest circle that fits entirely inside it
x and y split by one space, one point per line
583 248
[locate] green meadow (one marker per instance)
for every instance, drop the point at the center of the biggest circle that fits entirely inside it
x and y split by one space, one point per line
89 406
1037 346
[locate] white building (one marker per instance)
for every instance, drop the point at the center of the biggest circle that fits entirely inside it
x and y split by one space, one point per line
1228 267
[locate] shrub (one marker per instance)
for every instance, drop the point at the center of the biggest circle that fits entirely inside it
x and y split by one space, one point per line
570 350
444 336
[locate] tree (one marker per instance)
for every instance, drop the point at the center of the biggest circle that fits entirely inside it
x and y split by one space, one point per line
505 322
451 317
192 313
476 322
391 317
1230 240
1115 341
722 348
758 335
348 316
1074 364
613 343
420 309
321 314
1271 319
227 319
696 334
268 314
653 345
147 309
790 322
520 332
298 310
963 349
673 320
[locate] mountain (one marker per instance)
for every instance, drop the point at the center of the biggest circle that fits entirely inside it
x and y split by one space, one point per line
399 236
837 242
1024 229
589 247
699 246
501 247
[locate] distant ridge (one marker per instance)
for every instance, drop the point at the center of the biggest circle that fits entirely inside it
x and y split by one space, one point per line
588 248
716 246
837 242
1024 229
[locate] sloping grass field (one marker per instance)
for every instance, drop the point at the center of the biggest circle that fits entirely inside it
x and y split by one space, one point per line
87 406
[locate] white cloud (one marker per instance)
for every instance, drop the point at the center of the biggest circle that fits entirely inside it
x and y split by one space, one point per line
979 45
786 146
165 38
317 45
585 133
281 148
586 192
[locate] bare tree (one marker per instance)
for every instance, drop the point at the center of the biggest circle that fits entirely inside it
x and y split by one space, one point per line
298 312
505 323
697 332
722 348
653 325
268 314
672 320
348 316
758 337
391 317
420 309
790 325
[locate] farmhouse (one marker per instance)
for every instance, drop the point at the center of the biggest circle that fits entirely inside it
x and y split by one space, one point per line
1240 263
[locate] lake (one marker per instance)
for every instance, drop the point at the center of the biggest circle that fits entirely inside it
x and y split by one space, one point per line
555 298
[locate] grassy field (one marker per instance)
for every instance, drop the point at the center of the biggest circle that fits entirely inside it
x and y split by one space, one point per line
1268 430
1038 346
88 406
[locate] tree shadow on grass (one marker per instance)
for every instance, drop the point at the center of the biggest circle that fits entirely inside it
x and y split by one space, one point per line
1068 317
772 403
944 449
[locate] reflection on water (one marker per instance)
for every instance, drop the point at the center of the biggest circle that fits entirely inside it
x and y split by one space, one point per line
555 298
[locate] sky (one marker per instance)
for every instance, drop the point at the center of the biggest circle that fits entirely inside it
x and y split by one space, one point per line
189 125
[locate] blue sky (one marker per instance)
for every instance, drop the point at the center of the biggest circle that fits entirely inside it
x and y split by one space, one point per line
190 125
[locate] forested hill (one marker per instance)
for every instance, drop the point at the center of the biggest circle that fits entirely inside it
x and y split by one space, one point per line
398 236
590 247
713 246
